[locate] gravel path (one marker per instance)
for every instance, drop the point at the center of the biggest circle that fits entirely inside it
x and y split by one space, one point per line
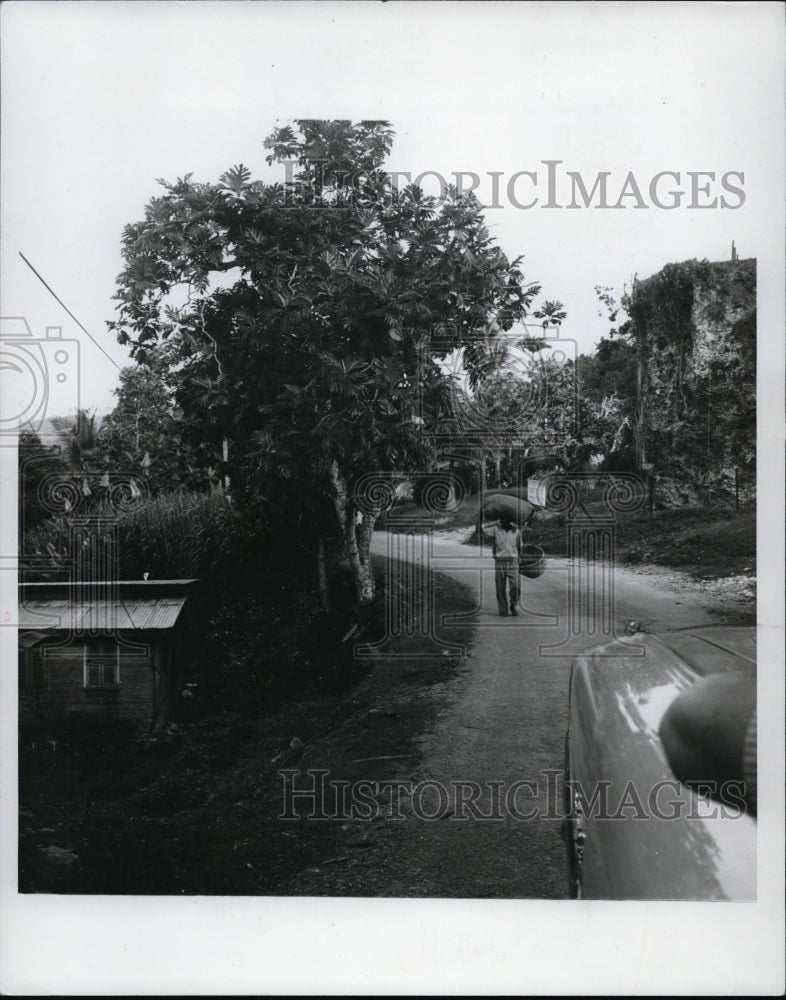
491 761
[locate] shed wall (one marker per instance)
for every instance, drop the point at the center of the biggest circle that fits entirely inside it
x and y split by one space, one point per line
52 682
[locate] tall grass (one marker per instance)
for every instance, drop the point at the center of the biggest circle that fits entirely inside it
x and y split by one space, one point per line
171 536
178 535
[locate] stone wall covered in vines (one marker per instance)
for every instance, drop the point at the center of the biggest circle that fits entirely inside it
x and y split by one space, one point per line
694 326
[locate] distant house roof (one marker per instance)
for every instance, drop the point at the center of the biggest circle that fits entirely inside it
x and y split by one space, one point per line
102 605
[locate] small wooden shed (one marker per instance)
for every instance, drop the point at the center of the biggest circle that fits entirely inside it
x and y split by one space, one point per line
111 648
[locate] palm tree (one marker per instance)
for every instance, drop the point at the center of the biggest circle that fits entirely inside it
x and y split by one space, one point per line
79 437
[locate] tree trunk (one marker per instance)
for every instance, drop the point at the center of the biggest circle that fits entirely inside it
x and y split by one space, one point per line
642 402
324 595
365 578
358 543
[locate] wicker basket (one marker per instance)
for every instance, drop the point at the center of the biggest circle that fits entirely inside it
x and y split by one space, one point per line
532 561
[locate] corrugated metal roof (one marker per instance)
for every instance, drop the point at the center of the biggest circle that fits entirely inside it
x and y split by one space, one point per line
100 615
102 607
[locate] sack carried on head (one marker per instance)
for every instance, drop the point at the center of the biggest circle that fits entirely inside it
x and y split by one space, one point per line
499 505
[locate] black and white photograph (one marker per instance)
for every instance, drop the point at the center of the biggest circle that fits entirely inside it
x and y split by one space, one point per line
392 518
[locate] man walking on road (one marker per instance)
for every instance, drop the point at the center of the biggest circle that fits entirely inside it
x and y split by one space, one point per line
505 540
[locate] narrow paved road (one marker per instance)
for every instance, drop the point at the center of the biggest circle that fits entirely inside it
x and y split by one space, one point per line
503 724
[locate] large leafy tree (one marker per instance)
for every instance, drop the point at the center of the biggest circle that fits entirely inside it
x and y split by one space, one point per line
300 316
144 433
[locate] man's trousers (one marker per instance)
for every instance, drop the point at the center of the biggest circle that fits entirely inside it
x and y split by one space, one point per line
506 575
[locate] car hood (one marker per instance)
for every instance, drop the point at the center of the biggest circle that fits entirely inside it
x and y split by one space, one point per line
707 851
643 684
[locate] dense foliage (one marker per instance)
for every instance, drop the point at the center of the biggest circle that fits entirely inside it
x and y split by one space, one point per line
145 434
299 317
38 463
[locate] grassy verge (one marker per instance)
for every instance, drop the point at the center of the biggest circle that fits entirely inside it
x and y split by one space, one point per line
196 810
706 542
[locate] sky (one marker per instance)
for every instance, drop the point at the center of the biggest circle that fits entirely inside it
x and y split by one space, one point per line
99 99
